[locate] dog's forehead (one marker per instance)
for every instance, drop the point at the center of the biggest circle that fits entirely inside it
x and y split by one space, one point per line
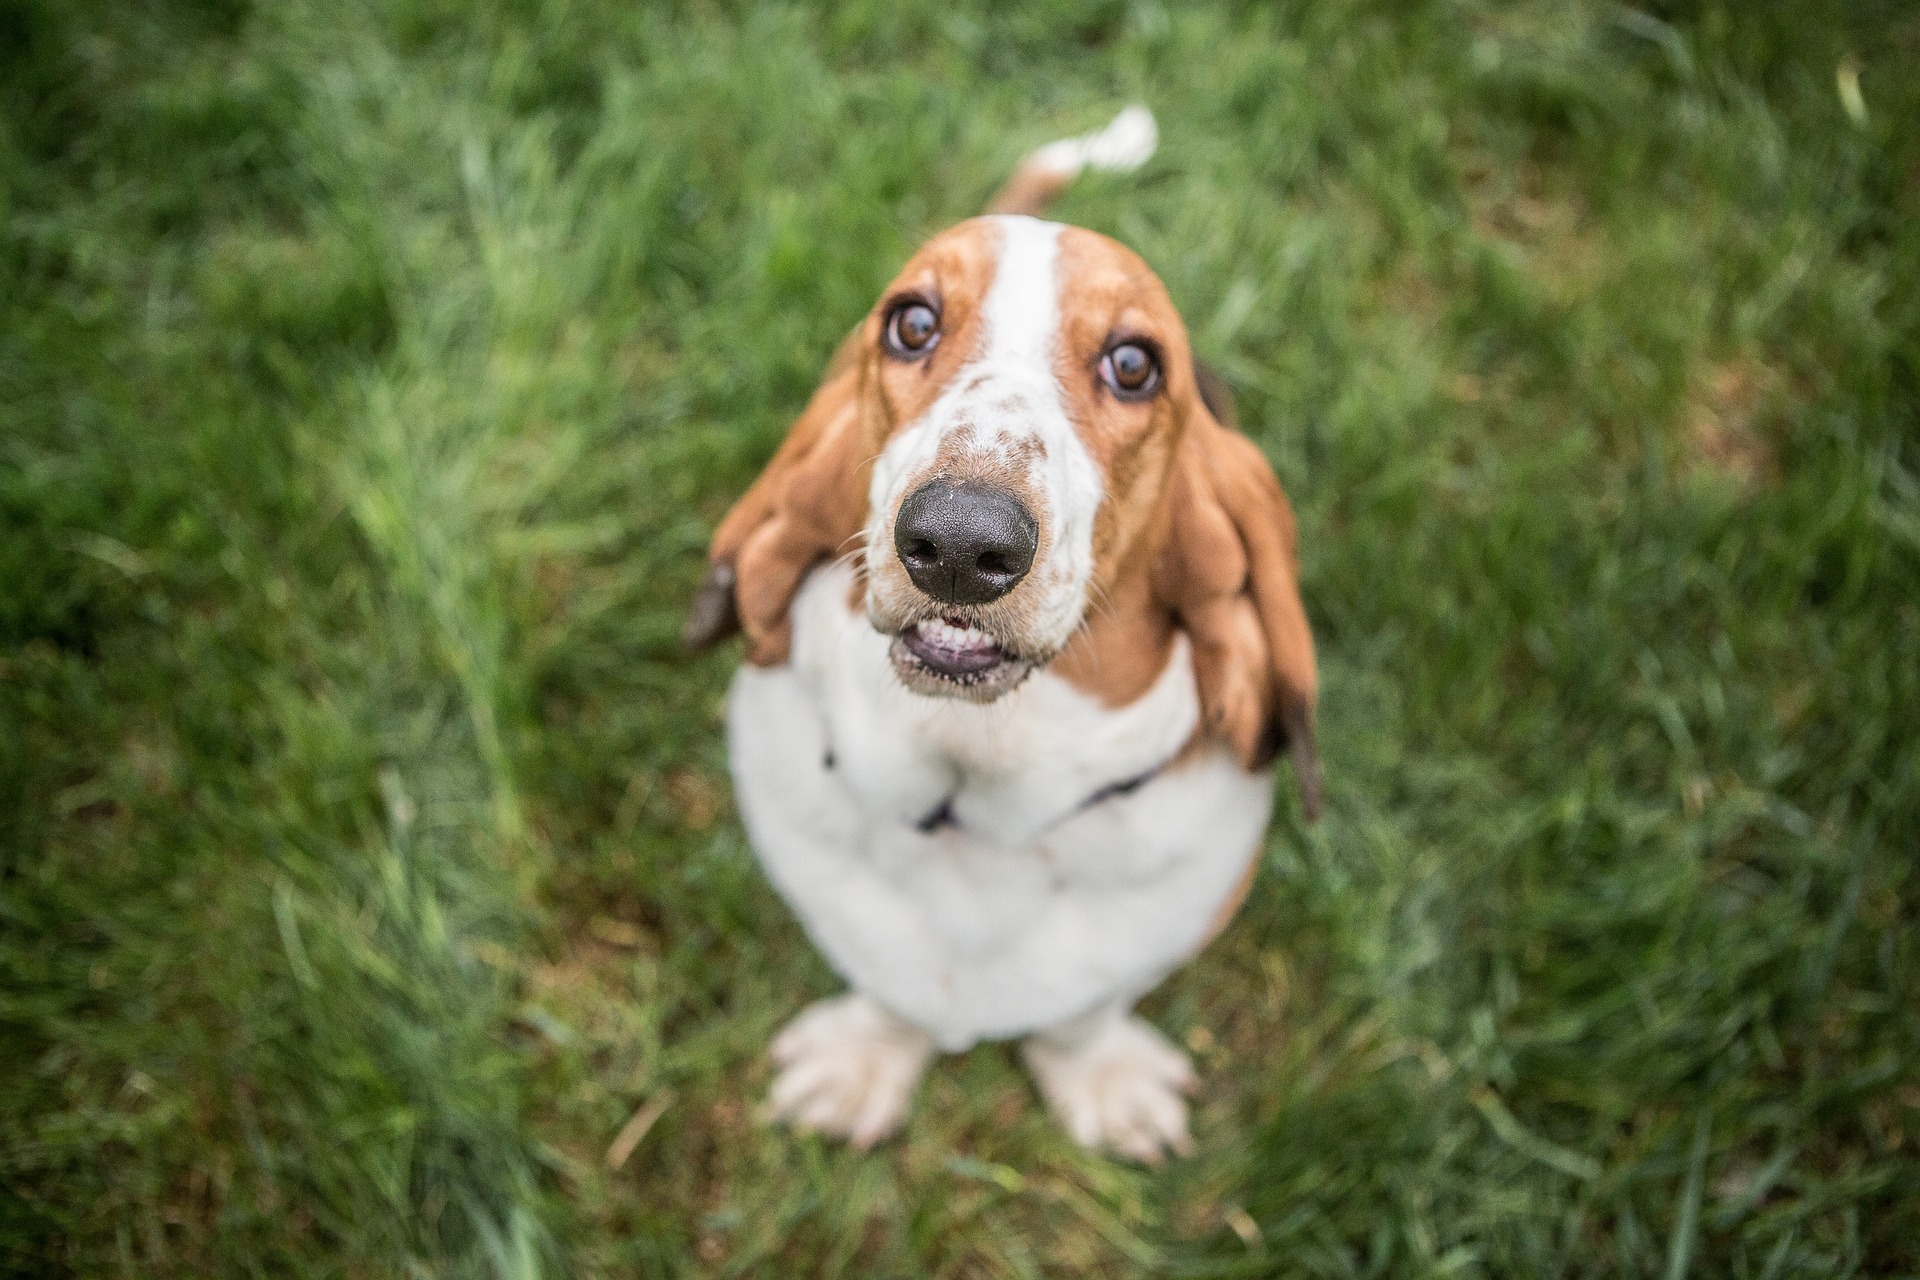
1090 273
1096 267
959 262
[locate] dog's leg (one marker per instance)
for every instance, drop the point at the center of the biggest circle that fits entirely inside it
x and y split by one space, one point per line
847 1068
1114 1083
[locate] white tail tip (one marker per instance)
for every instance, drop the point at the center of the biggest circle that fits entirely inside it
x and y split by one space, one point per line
1127 142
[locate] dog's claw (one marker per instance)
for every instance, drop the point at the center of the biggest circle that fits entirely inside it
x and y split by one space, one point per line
714 614
1122 1089
848 1069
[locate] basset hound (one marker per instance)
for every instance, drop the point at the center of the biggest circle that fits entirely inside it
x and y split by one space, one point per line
1023 637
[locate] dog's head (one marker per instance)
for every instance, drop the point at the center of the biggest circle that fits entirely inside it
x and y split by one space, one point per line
1016 446
1034 379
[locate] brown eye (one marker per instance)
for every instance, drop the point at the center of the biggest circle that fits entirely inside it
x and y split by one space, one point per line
1131 370
913 329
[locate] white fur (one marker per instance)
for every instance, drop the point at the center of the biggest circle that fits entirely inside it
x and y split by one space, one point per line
1113 1081
1032 911
848 1068
1007 398
1127 142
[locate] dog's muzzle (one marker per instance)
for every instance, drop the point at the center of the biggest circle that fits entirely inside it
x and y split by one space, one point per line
964 543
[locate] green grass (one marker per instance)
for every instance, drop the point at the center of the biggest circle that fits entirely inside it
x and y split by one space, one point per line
370 376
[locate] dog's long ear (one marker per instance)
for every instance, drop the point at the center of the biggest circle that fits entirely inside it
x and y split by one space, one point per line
805 507
1229 572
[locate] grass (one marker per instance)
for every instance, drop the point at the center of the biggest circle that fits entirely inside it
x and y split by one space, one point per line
370 376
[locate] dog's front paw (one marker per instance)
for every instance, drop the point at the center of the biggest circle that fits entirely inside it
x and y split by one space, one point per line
1118 1088
847 1068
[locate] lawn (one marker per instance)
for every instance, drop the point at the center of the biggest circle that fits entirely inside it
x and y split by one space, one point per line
371 376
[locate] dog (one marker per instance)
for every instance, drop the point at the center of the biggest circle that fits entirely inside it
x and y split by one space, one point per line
1024 638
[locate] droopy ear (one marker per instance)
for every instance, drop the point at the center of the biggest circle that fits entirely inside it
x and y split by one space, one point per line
805 507
1228 571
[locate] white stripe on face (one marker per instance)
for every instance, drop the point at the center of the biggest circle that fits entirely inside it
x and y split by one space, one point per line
1022 307
1006 404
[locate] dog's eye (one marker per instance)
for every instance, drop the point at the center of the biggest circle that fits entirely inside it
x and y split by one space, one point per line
1131 370
913 329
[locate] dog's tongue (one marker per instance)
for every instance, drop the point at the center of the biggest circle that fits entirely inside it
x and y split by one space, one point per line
954 649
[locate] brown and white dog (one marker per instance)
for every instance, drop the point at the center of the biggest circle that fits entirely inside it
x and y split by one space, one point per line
1024 637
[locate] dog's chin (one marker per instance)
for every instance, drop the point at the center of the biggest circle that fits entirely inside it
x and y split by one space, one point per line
939 658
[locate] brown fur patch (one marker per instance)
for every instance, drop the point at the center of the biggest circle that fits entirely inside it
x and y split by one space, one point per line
1228 571
1031 188
1195 531
810 503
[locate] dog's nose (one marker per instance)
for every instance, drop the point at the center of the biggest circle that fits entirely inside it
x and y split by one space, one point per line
964 542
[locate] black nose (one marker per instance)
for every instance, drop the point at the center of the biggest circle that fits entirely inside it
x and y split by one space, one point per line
964 542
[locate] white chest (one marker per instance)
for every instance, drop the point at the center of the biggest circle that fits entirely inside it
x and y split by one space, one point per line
984 871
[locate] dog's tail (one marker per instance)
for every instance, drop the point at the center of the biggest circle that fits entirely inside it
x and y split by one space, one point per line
1126 143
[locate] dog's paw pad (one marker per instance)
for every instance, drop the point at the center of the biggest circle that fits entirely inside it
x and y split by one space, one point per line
848 1068
1120 1090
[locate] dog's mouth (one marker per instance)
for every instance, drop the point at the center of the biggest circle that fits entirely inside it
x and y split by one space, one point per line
952 648
951 657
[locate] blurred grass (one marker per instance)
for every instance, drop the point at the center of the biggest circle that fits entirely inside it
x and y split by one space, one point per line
370 377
